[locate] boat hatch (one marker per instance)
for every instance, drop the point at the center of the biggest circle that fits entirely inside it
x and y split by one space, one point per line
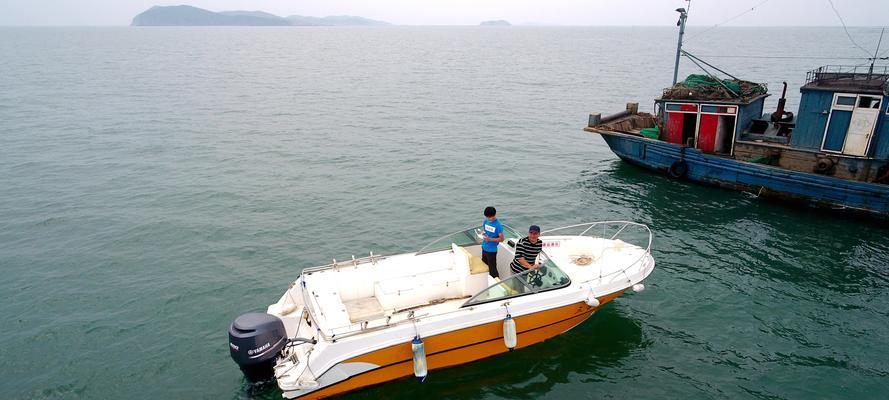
548 277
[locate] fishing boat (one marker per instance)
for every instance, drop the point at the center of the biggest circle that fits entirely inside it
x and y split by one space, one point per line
365 321
832 153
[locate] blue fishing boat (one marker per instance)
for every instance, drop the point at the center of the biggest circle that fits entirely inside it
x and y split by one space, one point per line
833 153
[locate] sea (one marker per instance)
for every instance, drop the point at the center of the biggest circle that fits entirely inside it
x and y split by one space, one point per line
155 183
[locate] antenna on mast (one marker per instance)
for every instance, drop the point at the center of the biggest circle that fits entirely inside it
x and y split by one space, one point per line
877 51
683 15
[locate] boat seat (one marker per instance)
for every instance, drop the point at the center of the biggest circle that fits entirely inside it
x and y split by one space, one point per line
418 290
476 265
331 305
364 309
477 280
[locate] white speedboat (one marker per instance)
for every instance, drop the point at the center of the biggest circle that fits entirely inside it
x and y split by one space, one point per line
349 325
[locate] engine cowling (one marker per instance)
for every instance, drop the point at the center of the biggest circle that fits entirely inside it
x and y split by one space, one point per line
254 341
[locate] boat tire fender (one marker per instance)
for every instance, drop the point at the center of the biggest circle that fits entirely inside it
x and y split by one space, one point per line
678 169
823 166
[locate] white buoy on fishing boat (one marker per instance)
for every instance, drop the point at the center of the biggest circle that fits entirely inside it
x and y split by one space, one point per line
509 334
638 287
592 301
419 358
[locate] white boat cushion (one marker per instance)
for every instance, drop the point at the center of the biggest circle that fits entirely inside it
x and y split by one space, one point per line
475 283
461 259
417 290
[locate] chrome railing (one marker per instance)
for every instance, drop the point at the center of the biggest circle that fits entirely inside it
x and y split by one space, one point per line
633 233
372 258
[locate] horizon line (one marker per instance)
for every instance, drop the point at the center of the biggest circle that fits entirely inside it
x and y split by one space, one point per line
530 25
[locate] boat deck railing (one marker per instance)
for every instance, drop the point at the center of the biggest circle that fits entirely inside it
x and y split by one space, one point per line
633 233
372 258
848 73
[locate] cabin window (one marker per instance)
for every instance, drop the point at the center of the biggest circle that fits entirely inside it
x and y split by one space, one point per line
868 102
845 101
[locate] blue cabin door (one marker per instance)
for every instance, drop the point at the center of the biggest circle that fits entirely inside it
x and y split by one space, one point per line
838 122
851 123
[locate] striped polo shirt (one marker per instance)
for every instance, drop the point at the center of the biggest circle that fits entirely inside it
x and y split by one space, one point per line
527 250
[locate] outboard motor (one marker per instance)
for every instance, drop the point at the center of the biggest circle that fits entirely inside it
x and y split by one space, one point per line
254 340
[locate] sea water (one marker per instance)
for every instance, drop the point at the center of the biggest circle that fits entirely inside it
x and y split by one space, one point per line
157 182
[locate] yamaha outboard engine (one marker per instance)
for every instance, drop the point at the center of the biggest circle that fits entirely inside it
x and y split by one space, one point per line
254 340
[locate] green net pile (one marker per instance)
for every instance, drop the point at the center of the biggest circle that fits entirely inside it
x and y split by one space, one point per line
703 87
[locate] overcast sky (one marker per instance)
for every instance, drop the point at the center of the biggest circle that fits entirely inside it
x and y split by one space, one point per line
471 12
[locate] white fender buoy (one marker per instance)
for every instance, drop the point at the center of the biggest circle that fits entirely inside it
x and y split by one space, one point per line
592 301
509 334
638 287
419 358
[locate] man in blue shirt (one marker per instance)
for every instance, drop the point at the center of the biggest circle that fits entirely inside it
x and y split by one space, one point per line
492 234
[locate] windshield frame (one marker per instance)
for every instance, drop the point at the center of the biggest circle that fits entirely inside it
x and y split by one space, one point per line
548 263
472 233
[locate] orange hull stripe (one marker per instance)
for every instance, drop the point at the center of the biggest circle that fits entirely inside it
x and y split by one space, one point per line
462 346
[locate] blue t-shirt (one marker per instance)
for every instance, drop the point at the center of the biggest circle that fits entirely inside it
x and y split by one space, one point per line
492 230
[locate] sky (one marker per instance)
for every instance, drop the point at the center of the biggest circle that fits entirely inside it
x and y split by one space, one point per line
471 12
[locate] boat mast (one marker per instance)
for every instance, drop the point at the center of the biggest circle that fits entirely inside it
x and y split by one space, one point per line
870 70
682 16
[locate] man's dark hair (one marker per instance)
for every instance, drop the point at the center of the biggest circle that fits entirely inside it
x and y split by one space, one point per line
490 211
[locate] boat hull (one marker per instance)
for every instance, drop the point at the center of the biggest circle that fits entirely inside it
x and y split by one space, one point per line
461 346
768 181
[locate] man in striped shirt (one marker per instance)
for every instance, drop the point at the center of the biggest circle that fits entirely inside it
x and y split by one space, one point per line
526 251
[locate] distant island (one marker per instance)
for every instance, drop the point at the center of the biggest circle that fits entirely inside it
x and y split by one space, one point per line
498 22
193 16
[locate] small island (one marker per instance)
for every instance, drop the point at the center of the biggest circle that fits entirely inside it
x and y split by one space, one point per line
498 22
193 16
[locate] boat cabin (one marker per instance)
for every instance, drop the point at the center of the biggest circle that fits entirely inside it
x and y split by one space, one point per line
710 126
841 129
843 111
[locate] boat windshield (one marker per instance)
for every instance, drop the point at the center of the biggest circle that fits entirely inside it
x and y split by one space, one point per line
468 237
548 277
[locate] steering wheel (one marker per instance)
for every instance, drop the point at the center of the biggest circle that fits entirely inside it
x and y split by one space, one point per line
535 277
